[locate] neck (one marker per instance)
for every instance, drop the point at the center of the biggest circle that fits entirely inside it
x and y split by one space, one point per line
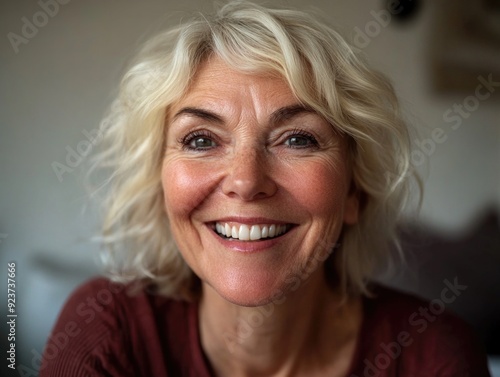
312 328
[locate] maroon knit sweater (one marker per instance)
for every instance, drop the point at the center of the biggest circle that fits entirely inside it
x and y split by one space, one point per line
104 331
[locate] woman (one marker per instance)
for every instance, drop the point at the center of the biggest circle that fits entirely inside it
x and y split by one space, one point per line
258 167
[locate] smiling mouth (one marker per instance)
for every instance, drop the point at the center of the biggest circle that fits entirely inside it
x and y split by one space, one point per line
243 232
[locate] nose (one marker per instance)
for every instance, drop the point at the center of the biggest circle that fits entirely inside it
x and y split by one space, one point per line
249 175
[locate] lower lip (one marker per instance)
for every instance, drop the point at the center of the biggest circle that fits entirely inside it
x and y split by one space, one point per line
249 246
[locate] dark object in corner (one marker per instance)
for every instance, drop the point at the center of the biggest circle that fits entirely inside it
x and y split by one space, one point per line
472 258
403 10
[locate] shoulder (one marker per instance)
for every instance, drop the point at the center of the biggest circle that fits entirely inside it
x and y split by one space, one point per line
100 327
422 337
396 310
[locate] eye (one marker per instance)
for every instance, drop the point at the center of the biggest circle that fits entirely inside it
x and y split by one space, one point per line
201 143
301 139
198 141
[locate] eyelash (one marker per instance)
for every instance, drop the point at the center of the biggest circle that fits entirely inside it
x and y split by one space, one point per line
188 139
304 134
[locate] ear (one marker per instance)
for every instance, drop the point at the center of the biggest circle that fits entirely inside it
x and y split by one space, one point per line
352 205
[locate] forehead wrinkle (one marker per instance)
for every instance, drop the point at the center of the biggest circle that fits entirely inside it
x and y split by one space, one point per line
249 102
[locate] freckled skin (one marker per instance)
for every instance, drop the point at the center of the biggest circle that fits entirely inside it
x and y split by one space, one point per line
249 170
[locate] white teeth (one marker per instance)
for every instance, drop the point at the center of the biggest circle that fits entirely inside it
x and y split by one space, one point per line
220 229
255 233
246 233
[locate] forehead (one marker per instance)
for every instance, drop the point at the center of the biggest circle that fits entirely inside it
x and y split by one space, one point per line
217 84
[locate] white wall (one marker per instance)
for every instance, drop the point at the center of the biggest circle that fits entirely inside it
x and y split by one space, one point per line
61 81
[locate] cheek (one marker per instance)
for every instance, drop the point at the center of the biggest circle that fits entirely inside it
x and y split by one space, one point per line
186 184
320 188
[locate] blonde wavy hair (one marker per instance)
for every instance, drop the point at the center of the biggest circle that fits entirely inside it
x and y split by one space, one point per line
324 72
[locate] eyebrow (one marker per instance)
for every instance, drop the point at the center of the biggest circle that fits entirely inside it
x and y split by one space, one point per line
199 113
277 116
288 112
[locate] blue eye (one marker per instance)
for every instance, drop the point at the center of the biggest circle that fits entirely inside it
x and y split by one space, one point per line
201 143
297 141
198 141
301 139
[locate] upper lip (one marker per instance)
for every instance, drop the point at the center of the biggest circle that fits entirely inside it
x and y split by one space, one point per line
250 220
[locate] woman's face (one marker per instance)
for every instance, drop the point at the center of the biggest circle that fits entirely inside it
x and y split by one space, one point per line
256 185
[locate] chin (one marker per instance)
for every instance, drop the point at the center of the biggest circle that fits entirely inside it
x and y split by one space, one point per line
257 290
